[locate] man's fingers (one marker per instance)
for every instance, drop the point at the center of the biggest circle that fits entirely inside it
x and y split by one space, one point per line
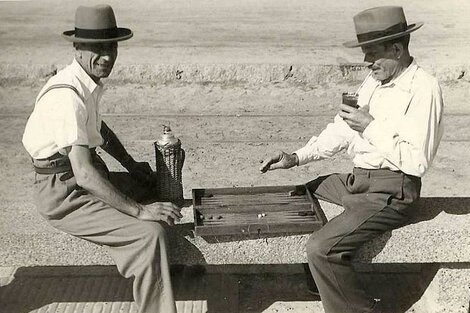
344 115
170 205
276 166
266 165
171 211
165 216
175 215
168 220
169 216
170 208
347 108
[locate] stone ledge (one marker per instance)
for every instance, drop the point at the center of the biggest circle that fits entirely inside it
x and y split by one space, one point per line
13 74
439 234
445 290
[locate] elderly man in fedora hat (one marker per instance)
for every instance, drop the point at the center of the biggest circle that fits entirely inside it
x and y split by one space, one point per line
392 134
75 191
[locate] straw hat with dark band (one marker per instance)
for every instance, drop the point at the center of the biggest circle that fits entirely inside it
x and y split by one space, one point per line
96 24
380 24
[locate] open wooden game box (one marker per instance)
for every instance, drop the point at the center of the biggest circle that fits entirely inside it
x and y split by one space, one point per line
256 211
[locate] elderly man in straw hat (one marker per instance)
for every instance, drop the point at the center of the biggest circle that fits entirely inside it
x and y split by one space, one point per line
392 135
75 191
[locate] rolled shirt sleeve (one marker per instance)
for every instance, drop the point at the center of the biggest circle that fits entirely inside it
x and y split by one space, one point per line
334 138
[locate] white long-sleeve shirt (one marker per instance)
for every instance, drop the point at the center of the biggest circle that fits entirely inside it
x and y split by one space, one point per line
404 134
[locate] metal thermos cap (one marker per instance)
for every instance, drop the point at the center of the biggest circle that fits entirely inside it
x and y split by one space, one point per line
167 137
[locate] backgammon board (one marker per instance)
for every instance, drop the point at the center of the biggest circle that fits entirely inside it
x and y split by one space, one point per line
256 211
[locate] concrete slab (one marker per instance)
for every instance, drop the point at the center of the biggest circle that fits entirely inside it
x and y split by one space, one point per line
448 290
103 290
440 229
100 289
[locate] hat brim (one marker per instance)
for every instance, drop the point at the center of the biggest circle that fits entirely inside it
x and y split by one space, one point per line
355 43
122 34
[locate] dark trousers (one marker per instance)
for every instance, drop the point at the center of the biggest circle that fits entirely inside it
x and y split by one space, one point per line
374 201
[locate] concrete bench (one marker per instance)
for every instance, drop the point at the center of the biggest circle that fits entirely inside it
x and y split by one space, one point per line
438 234
436 243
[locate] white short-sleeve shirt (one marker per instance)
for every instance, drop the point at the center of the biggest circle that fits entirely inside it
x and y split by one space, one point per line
63 118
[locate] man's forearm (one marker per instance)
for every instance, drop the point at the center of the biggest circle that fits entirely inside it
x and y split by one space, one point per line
90 179
104 190
113 146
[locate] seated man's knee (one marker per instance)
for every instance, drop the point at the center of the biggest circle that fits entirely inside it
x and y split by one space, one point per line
153 231
316 248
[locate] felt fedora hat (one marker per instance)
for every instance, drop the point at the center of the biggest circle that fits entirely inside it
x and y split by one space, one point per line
380 24
96 24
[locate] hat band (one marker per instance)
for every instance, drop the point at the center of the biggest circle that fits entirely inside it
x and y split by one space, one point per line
392 30
105 33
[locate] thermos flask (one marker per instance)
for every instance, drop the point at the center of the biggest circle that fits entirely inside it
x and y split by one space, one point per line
169 164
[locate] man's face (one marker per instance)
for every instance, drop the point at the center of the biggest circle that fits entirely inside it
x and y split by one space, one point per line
385 65
97 59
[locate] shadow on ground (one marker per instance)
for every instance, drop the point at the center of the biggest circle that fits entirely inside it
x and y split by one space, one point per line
429 207
101 289
49 288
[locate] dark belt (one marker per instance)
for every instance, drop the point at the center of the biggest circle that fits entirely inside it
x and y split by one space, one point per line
54 164
380 172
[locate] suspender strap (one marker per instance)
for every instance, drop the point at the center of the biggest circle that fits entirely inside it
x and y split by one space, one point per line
57 86
55 166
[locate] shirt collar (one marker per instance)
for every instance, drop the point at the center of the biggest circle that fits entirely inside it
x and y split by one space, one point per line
405 79
83 76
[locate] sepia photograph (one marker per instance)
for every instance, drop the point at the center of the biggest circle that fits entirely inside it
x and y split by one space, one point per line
234 156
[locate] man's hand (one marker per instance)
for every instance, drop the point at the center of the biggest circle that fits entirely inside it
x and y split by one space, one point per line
160 211
141 171
357 119
280 160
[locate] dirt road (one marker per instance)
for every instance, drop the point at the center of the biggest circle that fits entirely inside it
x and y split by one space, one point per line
245 31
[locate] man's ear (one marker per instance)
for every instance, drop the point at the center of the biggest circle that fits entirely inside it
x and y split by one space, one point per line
398 49
78 51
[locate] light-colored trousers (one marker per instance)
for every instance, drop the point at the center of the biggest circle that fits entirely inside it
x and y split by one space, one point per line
138 248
